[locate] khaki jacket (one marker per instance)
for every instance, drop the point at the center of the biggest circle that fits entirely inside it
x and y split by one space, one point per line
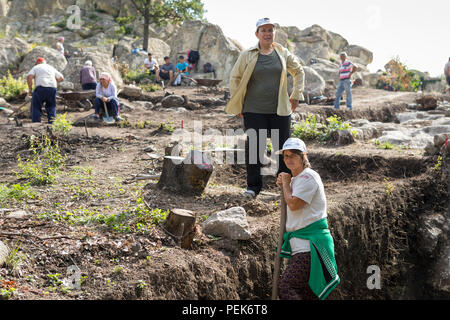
243 69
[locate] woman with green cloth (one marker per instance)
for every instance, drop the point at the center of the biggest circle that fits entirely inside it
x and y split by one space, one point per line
258 89
312 272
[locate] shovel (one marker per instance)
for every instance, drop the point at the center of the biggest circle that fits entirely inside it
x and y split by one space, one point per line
276 271
108 119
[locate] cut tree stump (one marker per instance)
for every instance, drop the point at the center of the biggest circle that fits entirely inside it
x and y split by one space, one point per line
181 225
188 175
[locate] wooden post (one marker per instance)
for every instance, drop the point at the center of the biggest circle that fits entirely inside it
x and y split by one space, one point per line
276 271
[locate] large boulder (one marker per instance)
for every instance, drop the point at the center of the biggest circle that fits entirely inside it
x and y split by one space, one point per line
362 55
316 43
11 52
314 83
214 47
123 51
53 57
4 6
100 61
231 223
337 42
326 69
157 47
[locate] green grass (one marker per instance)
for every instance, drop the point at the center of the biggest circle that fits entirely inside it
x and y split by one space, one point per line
386 145
16 192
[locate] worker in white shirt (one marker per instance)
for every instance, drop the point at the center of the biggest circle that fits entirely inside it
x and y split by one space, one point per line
45 81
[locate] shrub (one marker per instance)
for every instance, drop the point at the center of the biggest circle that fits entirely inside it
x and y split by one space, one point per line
44 164
61 125
335 123
308 129
11 88
137 75
149 87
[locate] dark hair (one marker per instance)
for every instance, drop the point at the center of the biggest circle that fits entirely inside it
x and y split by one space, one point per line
181 57
166 57
150 54
304 157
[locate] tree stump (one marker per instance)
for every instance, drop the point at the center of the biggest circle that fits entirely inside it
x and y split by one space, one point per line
187 176
181 224
342 137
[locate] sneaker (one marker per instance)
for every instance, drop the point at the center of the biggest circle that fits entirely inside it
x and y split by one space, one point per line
118 118
249 194
95 116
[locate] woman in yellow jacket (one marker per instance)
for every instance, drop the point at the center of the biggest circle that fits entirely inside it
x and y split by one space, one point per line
258 88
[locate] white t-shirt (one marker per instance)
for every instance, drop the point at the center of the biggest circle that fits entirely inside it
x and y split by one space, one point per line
150 64
45 75
307 186
60 47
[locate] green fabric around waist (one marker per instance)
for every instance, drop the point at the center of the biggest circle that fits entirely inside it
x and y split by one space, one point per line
323 276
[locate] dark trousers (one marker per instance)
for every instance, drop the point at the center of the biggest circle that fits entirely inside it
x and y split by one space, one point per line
89 86
43 95
113 108
257 143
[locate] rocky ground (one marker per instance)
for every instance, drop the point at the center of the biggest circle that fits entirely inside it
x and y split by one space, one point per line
387 207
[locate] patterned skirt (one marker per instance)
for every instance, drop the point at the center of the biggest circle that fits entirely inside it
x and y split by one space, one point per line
293 284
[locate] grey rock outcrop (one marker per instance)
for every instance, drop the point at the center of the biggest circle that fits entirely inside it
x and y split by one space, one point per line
317 47
53 57
231 223
314 83
214 47
100 61
11 52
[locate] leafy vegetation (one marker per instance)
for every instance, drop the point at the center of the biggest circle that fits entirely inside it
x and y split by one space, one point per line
163 12
17 192
386 145
310 129
44 164
62 126
11 88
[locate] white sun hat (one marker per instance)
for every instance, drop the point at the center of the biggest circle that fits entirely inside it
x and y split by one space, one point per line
293 144
263 22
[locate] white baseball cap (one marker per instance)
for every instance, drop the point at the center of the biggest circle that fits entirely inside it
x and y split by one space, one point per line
293 144
263 22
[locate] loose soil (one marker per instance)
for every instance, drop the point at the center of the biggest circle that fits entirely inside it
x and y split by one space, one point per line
375 198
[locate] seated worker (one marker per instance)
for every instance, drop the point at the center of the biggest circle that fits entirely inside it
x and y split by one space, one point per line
166 71
150 64
88 76
106 93
182 69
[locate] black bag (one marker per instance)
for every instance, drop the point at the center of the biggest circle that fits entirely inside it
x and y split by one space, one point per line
207 67
193 57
